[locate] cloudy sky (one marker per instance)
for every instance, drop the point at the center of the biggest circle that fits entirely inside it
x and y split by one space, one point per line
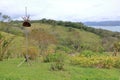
67 10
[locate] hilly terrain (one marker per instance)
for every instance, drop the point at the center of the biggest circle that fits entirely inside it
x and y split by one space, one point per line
59 50
70 36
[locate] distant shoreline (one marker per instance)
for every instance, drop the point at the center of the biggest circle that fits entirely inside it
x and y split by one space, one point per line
102 23
111 28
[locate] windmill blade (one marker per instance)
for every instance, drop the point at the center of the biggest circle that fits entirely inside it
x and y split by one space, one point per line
26 11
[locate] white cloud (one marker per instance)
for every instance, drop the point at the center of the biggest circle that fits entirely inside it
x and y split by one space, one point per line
72 10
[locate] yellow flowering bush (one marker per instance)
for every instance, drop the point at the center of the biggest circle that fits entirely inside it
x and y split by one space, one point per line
96 61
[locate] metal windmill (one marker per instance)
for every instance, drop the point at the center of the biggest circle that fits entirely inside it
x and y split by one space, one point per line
26 24
26 19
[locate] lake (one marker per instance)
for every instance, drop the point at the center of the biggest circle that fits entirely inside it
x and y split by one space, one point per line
111 28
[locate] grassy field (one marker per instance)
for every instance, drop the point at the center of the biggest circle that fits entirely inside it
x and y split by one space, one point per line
41 71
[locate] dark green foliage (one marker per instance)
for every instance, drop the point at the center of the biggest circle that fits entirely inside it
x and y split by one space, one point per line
78 25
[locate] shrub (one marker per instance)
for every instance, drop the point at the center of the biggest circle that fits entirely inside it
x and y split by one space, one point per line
117 63
105 62
57 60
96 61
87 53
57 66
50 58
54 57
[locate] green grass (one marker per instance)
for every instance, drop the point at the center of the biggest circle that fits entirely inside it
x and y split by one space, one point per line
41 71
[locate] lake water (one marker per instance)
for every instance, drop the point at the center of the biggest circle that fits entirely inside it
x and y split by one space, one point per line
111 28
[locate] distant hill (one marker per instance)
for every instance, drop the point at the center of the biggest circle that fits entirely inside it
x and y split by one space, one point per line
103 23
70 36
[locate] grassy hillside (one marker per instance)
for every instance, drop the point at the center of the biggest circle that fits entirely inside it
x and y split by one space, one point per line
70 38
73 56
66 36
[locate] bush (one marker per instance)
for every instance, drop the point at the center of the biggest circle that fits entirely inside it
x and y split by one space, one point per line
96 61
57 66
57 60
50 58
117 63
87 53
54 57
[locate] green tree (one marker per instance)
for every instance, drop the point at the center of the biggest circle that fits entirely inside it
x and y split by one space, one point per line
6 18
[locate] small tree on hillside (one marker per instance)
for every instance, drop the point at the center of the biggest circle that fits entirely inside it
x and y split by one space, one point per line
116 47
6 18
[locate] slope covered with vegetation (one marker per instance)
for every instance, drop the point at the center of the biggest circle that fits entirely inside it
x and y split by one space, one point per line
59 50
69 37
